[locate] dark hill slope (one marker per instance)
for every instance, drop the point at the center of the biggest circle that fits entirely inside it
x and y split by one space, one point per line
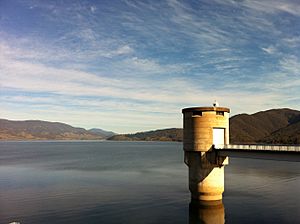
42 130
171 134
259 126
102 132
286 135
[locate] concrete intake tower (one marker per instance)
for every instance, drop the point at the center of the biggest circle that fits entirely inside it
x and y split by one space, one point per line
205 128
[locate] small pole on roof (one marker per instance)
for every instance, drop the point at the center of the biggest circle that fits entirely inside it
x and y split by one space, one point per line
216 104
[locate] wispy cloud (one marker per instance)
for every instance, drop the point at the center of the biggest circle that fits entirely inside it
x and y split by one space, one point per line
291 65
266 6
292 41
271 6
269 50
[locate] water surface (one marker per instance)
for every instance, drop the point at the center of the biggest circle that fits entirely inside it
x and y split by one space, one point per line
134 182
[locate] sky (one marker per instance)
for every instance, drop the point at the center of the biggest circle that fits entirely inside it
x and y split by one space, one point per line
132 65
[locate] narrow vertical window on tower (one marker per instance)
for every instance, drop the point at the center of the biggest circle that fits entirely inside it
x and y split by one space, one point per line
221 113
197 113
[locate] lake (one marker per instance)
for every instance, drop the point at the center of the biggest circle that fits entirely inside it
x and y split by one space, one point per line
135 182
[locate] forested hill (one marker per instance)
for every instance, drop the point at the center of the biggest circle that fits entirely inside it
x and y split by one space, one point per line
171 134
43 130
280 126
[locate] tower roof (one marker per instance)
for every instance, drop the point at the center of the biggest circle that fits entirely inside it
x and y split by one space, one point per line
222 109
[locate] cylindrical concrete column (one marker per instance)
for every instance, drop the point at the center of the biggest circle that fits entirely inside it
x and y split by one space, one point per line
204 128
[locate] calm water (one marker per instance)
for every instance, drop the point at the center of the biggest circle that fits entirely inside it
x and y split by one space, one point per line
135 182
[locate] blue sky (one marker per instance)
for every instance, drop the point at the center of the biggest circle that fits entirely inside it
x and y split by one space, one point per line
128 66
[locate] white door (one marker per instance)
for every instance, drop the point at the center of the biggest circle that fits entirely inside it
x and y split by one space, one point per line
218 136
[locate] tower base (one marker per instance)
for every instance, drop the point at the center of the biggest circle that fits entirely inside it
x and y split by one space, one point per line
206 179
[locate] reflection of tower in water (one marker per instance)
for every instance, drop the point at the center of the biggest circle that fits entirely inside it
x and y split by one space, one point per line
203 212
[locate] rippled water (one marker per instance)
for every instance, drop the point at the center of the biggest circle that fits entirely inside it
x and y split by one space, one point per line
135 182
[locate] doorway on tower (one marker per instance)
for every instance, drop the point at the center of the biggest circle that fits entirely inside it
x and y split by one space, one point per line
218 136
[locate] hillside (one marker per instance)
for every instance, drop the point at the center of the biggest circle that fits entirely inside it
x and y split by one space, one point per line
105 134
280 126
271 126
43 130
286 135
171 134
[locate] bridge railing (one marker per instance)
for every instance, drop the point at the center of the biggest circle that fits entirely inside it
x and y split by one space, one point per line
257 147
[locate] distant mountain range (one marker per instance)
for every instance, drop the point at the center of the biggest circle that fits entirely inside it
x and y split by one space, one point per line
44 130
279 126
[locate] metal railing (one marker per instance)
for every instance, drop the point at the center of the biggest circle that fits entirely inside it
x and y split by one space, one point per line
286 148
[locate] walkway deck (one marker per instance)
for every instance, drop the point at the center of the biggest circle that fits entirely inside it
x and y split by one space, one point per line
254 147
268 152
